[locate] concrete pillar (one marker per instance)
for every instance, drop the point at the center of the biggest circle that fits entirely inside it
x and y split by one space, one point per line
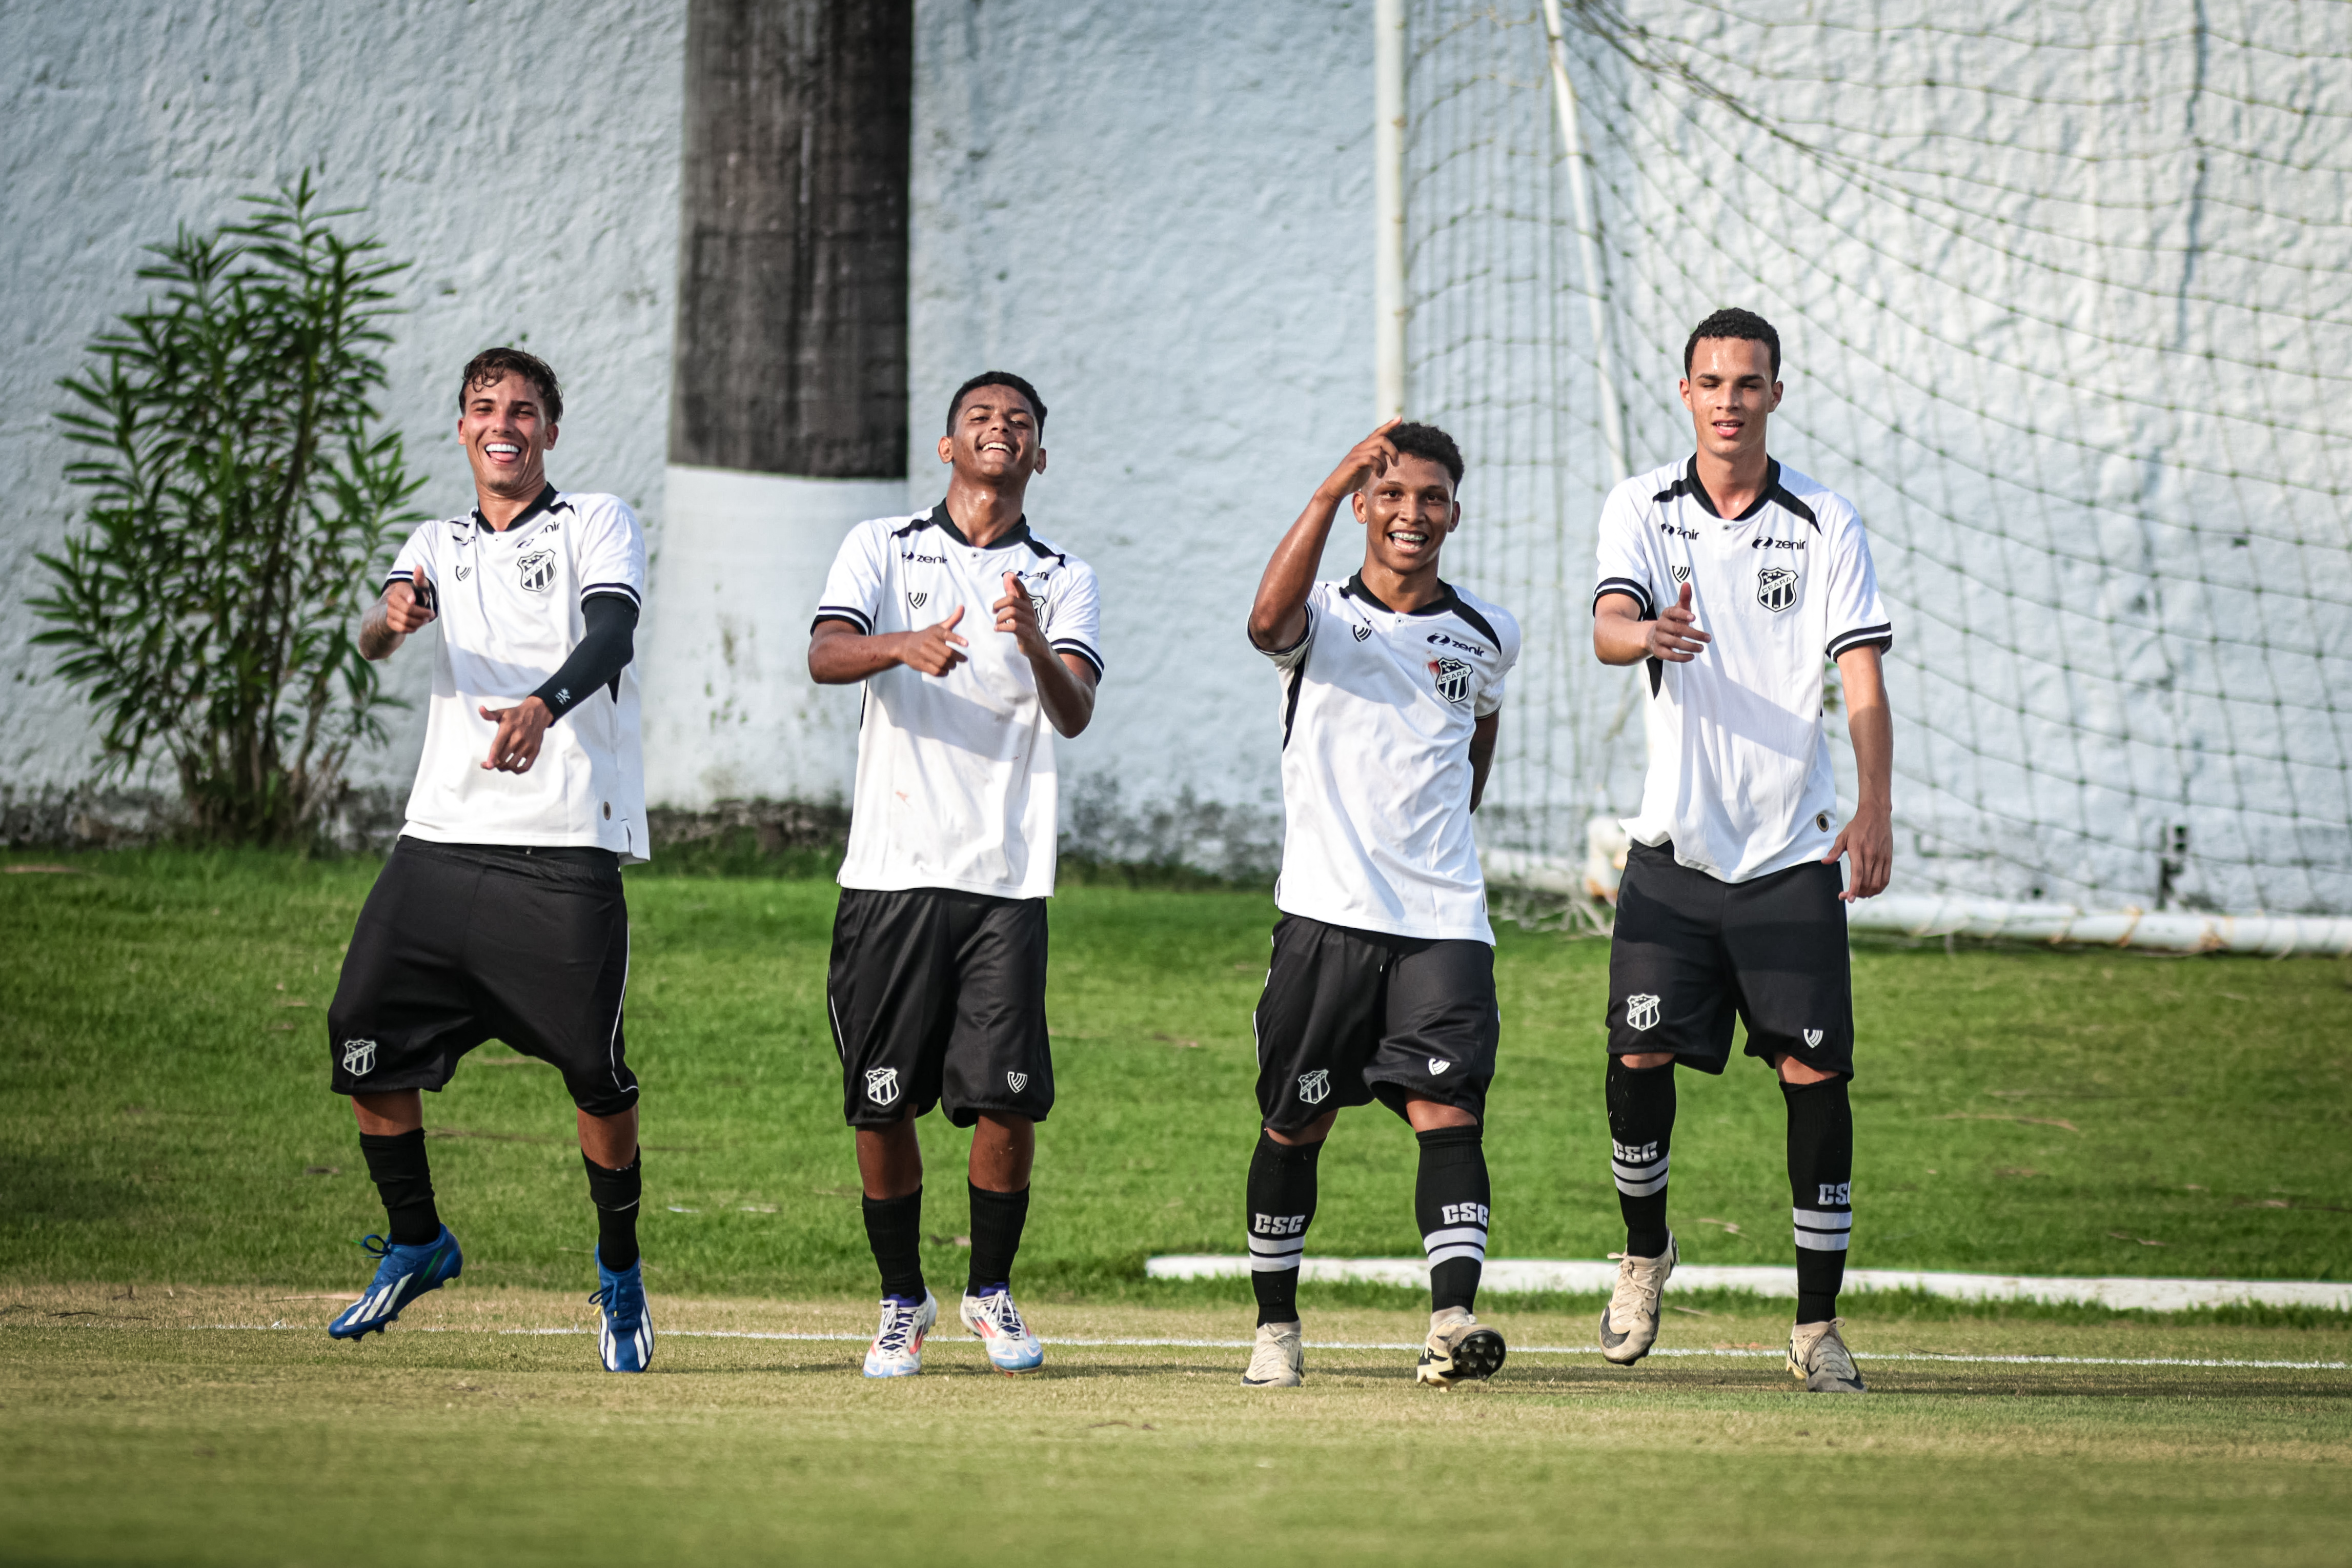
788 412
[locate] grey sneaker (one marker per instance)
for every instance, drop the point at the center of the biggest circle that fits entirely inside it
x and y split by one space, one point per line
1277 1360
1817 1354
1459 1347
1629 1326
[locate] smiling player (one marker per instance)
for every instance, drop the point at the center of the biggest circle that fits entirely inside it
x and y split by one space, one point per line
976 641
1731 900
1382 981
499 914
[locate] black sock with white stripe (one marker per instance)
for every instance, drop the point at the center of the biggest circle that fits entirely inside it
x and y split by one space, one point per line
616 1194
1449 1203
396 1163
1641 1126
1281 1205
1820 1187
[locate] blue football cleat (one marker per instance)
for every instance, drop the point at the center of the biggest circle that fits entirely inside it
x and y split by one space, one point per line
625 1334
404 1274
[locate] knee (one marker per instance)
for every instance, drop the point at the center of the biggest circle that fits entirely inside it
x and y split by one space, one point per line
1643 1061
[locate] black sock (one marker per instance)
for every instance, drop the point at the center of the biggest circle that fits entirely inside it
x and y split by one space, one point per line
1281 1205
1450 1203
894 1228
996 1221
1820 1187
616 1194
1640 1125
403 1178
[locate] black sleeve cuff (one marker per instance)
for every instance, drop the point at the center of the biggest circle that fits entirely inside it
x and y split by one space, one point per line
1881 636
1631 590
858 620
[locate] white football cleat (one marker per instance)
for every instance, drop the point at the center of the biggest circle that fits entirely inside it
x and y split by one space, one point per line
1629 1324
1459 1348
1279 1358
1011 1348
897 1347
1817 1354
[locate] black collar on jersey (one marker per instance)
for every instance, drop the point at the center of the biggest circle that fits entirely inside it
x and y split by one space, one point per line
1017 534
1687 484
1447 602
545 502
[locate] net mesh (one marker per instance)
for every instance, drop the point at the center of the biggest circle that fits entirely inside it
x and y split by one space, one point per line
2065 315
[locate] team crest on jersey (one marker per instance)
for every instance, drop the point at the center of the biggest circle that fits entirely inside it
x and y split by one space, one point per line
1018 1080
359 1057
1036 591
917 601
1315 1087
1361 631
536 570
1776 587
882 1084
1681 573
1452 679
1641 1011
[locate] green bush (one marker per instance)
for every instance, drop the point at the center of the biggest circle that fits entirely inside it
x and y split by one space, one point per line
207 598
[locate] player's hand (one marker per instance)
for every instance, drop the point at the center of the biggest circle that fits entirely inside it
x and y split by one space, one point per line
521 728
405 605
933 649
1367 460
1674 636
1016 614
1869 840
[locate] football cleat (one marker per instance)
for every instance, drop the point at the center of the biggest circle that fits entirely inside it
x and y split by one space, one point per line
1011 1348
1629 1324
1279 1358
1460 1349
1817 1354
401 1274
897 1347
624 1329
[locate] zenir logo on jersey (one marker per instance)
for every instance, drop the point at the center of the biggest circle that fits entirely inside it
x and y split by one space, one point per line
1452 679
882 1084
1641 1011
1315 1087
917 601
536 570
1776 587
359 1057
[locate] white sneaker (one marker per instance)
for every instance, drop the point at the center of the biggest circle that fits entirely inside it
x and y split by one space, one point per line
1460 1347
1629 1326
897 1347
1818 1354
1011 1346
1279 1359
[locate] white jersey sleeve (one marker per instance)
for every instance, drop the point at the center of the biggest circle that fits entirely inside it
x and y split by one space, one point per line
417 551
1073 618
860 575
1506 632
609 550
1290 658
1856 617
1625 552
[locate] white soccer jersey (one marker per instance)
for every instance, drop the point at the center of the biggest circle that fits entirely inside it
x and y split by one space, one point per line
1742 783
956 784
509 615
1376 710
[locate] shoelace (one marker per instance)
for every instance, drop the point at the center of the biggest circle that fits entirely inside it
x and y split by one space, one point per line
1829 1354
1631 1291
376 1247
1000 1311
897 1327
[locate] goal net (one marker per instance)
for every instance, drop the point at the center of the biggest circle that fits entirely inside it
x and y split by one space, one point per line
2064 300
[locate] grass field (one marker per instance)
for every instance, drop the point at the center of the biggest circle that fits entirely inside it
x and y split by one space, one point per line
172 1163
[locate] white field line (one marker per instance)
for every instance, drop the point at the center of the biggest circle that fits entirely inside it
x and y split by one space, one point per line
1153 1344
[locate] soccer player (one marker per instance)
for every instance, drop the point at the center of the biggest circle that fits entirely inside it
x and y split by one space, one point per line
499 914
1382 981
1734 582
976 641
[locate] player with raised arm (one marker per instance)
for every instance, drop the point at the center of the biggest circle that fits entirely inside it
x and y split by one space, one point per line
1382 980
1736 581
499 914
977 643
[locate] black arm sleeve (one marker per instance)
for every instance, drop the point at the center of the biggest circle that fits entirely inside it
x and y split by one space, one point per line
606 650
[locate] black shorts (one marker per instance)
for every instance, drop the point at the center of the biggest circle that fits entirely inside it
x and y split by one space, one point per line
1349 1016
462 942
939 996
1691 951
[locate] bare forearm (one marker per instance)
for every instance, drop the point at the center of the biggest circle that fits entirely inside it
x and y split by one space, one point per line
1871 730
1620 636
1278 618
844 658
377 638
1482 756
1067 696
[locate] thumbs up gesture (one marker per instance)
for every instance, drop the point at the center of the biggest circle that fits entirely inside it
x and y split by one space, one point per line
1674 635
408 606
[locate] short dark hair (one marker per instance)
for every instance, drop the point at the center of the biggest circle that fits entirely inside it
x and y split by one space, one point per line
1427 440
996 379
1734 323
493 365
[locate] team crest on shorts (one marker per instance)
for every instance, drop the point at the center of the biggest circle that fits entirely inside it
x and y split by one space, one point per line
1018 1080
359 1057
882 1084
1452 679
1812 1039
1641 1011
917 601
1316 1086
536 570
1776 587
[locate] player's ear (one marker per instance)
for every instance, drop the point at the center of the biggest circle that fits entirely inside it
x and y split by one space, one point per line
1776 398
1358 498
1038 467
552 431
946 448
1684 387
